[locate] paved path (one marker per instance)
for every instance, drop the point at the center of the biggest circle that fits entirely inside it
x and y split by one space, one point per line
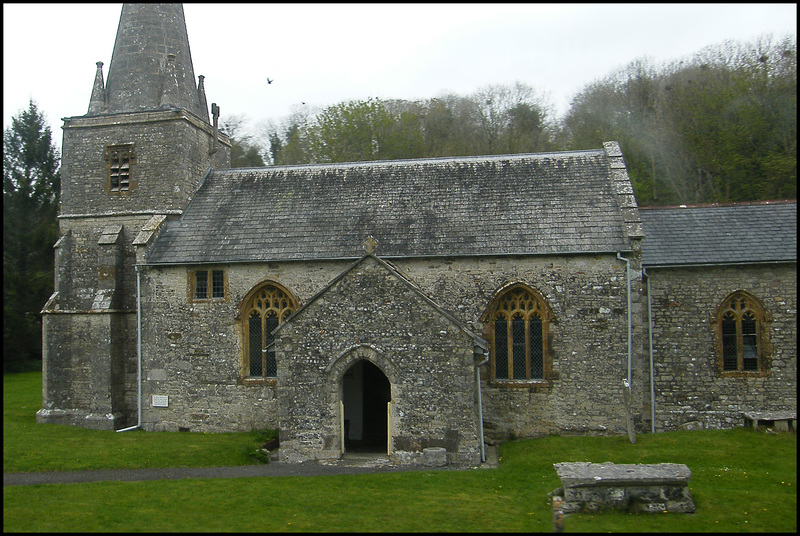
348 466
122 475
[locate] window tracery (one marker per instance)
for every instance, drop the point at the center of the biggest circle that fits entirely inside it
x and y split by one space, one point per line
740 323
518 334
264 311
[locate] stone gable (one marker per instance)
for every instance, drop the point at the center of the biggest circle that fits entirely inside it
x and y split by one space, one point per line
371 313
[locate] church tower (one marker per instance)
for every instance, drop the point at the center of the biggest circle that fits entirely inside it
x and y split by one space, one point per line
134 160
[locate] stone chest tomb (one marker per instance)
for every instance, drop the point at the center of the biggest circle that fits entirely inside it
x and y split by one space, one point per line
650 488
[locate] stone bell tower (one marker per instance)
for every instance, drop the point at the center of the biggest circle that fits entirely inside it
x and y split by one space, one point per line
134 160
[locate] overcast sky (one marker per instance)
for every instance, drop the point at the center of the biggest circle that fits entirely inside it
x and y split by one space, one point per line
328 53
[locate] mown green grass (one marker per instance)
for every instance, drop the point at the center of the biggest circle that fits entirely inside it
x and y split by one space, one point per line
742 481
28 446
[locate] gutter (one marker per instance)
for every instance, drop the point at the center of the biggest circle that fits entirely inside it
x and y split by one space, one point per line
386 257
138 347
707 264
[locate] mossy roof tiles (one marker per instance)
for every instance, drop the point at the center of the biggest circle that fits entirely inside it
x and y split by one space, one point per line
509 204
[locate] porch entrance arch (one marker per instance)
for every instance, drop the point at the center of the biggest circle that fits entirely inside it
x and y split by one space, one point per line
366 393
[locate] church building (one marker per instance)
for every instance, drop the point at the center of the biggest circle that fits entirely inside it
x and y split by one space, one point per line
391 306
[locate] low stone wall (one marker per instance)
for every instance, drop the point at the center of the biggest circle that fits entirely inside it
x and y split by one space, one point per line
649 488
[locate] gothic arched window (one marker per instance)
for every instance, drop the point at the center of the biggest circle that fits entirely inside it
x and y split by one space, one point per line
517 328
266 308
740 333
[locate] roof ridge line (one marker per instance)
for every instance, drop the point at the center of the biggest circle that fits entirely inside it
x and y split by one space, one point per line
720 205
464 158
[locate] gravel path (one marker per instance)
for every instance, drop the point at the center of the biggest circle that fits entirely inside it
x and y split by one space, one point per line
347 466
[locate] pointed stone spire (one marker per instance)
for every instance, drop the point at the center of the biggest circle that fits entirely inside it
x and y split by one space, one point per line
141 76
97 104
201 94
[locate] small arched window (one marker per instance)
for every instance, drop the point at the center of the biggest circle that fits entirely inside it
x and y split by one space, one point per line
266 308
518 324
740 323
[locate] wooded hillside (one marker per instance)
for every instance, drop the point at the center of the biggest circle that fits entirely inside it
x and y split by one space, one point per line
720 126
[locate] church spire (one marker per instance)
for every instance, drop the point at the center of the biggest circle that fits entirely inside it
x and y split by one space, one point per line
151 64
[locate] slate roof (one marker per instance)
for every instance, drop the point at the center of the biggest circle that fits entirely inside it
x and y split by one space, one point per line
719 234
507 204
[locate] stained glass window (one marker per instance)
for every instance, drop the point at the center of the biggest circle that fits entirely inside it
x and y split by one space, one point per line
739 332
265 310
519 336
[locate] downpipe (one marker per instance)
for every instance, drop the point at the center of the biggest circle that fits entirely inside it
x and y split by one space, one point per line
650 334
138 348
630 325
479 350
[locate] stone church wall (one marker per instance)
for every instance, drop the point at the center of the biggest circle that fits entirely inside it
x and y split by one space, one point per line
86 268
690 392
90 370
193 350
588 338
171 156
89 328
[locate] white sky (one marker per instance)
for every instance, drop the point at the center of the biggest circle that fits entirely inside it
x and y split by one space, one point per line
323 54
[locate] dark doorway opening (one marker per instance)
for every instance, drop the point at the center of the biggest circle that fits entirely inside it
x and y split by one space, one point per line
366 392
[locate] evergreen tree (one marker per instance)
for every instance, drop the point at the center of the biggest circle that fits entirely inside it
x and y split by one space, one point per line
30 206
244 153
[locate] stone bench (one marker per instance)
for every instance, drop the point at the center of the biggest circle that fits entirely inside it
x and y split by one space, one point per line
782 421
651 488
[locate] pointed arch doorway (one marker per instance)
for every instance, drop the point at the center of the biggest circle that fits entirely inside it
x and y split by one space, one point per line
366 392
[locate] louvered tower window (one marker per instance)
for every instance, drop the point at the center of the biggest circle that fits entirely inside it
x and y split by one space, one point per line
119 165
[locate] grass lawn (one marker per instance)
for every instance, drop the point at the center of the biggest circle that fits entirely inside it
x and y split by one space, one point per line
742 481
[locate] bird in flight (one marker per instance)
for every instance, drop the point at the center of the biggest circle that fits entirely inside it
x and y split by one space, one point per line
269 81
